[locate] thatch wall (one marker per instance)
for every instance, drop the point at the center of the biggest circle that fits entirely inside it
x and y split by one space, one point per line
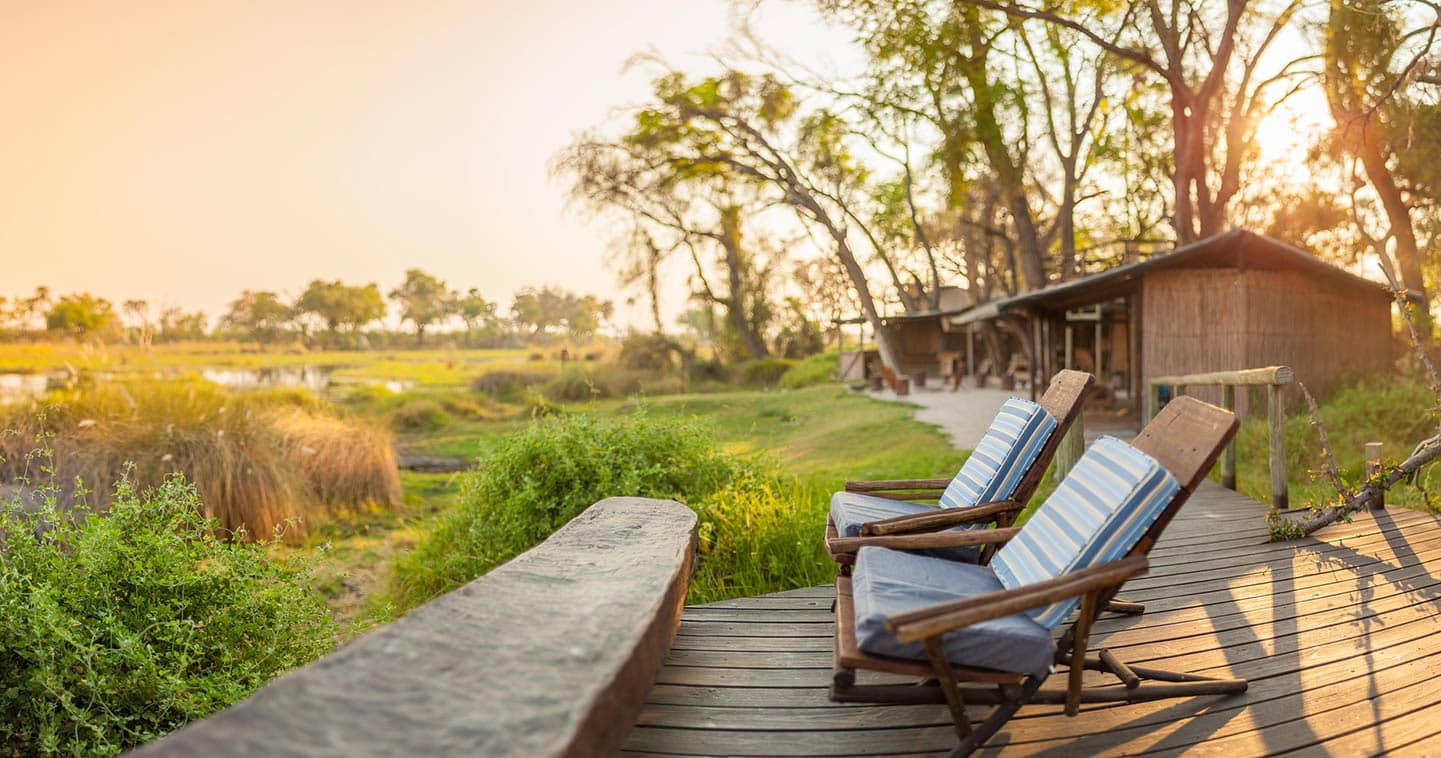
1206 319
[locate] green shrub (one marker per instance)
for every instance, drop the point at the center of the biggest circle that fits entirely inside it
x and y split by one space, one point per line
507 384
646 352
116 629
543 476
760 534
817 369
765 372
420 415
593 383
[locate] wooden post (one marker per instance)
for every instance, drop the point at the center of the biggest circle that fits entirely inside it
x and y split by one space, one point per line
1228 456
1280 495
1071 447
1373 467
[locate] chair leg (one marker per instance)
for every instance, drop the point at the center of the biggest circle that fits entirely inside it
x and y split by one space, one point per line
1019 696
1126 608
947 678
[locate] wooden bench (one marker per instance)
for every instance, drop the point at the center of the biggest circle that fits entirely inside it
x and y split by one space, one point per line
552 653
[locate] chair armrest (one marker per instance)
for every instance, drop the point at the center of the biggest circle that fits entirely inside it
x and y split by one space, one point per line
939 618
885 485
943 518
922 541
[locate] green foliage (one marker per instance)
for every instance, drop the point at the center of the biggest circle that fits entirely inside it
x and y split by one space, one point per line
1389 409
423 300
82 315
541 477
419 415
506 384
766 372
339 304
647 352
760 534
550 309
817 369
116 629
260 315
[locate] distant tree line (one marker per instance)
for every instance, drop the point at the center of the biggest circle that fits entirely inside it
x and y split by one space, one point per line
332 314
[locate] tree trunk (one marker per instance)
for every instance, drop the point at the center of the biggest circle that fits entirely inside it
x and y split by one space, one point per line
1398 215
730 240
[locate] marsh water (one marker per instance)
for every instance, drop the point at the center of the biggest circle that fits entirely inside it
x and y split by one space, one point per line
16 387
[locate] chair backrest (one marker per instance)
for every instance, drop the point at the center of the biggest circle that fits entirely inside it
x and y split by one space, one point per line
1063 399
1117 500
1005 454
1097 514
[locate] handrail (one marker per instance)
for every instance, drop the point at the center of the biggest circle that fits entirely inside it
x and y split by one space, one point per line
552 653
1272 378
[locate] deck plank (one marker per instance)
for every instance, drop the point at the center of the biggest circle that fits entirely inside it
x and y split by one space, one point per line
1336 634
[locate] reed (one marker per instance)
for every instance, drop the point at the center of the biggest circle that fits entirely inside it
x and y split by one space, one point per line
263 463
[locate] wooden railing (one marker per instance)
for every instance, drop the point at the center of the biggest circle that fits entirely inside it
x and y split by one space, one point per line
552 653
1273 378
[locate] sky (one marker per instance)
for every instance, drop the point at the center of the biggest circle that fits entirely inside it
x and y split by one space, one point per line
180 152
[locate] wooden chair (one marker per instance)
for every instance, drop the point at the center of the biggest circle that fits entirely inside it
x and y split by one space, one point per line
934 528
1185 438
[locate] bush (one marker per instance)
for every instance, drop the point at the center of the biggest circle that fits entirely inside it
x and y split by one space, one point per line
760 534
116 629
541 477
817 369
646 352
419 415
765 372
593 383
506 384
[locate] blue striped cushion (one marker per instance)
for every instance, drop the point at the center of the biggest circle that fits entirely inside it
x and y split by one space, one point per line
1002 457
1096 515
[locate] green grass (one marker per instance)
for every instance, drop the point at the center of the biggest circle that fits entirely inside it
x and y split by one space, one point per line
761 533
1395 411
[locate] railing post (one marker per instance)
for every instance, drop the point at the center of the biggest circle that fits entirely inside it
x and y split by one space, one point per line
1072 446
1280 495
1373 467
1228 456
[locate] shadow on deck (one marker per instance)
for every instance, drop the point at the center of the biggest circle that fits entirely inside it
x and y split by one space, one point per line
1337 634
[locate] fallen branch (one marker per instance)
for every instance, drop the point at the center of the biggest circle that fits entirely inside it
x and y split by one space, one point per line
1425 452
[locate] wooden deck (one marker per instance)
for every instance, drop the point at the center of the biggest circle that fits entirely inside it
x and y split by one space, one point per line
1339 636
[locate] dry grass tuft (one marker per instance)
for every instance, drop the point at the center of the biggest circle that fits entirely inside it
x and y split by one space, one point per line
246 453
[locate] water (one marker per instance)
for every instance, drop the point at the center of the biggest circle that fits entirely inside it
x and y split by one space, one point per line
319 379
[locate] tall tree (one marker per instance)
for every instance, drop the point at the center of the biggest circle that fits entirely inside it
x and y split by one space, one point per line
339 304
1212 64
82 315
423 300
261 314
672 208
1368 57
751 128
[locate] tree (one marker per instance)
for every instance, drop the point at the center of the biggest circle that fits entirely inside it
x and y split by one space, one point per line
750 128
423 300
672 208
550 310
260 314
176 324
1212 66
82 315
339 304
1394 137
139 312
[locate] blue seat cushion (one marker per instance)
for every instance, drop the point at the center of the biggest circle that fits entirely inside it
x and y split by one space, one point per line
887 582
849 510
1096 515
